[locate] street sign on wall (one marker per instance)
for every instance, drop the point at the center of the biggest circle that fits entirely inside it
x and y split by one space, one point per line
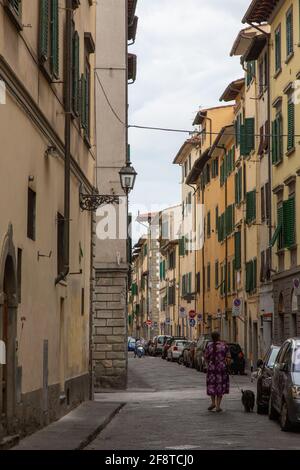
237 307
182 312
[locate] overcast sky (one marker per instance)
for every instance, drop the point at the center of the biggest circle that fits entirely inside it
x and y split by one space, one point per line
183 63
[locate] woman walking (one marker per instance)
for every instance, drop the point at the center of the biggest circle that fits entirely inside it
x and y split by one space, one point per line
217 356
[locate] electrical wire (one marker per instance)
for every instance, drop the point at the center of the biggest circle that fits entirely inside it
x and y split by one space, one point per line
107 99
185 131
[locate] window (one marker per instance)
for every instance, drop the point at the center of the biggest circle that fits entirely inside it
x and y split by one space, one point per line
233 277
31 214
238 250
247 137
75 73
82 301
49 37
289 33
162 272
229 220
19 275
198 283
215 168
171 295
217 218
145 249
262 204
238 123
278 49
182 246
250 72
277 139
250 206
261 77
289 223
268 200
60 243
216 274
228 277
208 225
238 186
172 260
251 280
291 124
208 276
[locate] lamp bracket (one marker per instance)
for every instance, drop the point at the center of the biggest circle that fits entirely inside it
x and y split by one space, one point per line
91 202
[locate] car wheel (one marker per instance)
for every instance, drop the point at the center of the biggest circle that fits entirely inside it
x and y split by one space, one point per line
285 423
180 361
261 409
272 413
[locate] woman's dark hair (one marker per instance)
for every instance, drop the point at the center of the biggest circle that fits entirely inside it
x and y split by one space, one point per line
215 336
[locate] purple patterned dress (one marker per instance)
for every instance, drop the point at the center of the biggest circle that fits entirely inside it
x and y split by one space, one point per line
217 379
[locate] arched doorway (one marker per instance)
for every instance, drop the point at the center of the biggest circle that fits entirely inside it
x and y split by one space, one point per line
8 331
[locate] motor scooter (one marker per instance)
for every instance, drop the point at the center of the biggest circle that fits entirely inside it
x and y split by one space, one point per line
140 351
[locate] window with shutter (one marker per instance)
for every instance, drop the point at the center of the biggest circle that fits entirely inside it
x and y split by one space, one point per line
83 102
182 246
217 219
237 250
198 283
75 73
249 276
54 23
229 277
249 135
291 124
289 33
31 214
250 206
44 30
233 277
262 204
289 223
208 225
243 151
216 274
278 49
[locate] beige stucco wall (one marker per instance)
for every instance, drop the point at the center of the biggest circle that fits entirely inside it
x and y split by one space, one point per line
23 146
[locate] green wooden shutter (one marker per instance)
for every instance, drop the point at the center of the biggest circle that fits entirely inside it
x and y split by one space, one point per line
182 246
254 274
274 142
54 38
44 30
217 219
289 224
250 135
250 206
289 33
83 101
75 73
248 276
238 250
16 5
242 141
216 274
208 224
87 101
236 188
228 277
291 125
277 50
240 184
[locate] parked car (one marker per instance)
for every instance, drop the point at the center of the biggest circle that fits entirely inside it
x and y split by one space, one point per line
265 370
166 346
151 347
159 344
176 349
189 353
238 362
199 359
285 387
131 344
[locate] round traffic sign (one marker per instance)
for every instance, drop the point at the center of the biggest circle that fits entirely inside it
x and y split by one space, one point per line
192 322
149 322
192 313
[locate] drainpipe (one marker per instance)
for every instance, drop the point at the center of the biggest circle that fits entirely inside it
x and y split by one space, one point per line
195 251
67 157
222 147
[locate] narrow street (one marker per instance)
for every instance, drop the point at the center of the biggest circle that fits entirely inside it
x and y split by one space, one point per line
166 408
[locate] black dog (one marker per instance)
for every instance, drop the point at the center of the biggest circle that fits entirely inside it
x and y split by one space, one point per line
248 400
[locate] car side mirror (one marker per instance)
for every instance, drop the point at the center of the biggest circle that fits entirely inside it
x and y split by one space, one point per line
260 363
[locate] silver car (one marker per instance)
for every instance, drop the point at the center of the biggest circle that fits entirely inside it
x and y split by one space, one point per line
176 349
285 387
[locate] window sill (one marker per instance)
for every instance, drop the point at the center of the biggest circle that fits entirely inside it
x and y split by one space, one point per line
290 151
292 247
289 57
277 73
278 163
280 252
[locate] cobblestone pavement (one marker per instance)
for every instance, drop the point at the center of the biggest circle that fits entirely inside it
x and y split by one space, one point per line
166 408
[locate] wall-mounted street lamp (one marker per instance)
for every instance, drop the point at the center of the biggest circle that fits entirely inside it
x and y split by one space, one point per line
127 176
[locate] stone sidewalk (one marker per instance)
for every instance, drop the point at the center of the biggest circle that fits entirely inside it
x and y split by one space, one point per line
75 430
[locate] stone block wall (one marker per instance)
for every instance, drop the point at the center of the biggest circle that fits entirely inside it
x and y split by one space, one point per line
110 330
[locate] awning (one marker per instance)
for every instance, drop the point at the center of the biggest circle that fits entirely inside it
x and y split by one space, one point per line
226 134
260 11
132 65
198 167
233 90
